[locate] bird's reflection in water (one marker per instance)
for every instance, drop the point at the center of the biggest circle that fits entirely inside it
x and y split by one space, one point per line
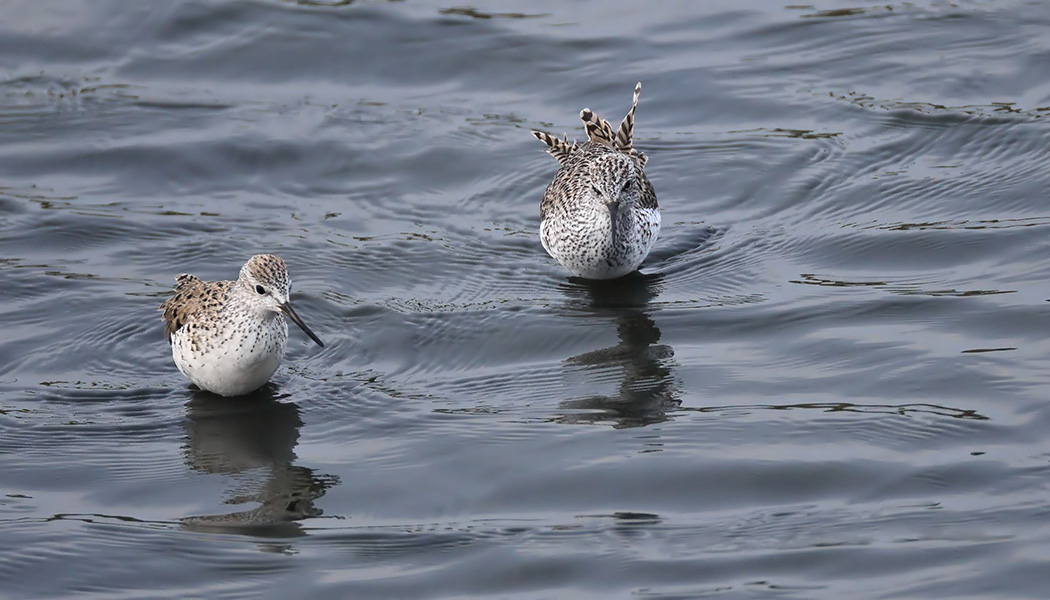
251 440
646 392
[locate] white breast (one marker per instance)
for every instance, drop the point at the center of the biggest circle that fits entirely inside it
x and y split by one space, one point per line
232 362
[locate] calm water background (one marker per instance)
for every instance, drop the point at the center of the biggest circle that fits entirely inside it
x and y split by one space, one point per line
831 382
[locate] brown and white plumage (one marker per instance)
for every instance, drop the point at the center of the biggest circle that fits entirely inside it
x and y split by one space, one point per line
599 216
228 337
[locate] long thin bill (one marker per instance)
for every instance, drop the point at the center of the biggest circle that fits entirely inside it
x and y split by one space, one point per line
289 312
614 213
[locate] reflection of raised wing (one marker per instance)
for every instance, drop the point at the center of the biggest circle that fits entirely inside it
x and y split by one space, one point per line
251 441
646 392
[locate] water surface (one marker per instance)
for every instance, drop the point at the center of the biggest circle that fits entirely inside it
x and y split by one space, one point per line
830 380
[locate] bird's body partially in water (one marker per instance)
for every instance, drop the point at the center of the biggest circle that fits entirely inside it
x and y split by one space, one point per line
599 216
228 337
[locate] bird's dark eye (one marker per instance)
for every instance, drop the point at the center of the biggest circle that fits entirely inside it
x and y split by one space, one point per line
260 289
628 185
595 189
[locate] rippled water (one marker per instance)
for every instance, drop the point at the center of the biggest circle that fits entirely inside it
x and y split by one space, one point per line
830 382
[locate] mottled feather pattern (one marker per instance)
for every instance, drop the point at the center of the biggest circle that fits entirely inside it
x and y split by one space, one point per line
228 337
577 174
193 297
598 129
559 149
599 216
269 268
625 134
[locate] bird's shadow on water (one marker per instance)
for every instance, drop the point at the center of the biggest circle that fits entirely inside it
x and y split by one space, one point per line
647 393
251 440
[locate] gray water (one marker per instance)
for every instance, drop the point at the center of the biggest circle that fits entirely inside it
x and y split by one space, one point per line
830 380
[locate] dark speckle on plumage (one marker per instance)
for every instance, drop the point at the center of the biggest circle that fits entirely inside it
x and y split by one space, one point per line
599 216
228 337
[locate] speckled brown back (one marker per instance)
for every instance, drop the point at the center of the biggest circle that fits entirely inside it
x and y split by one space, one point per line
193 296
